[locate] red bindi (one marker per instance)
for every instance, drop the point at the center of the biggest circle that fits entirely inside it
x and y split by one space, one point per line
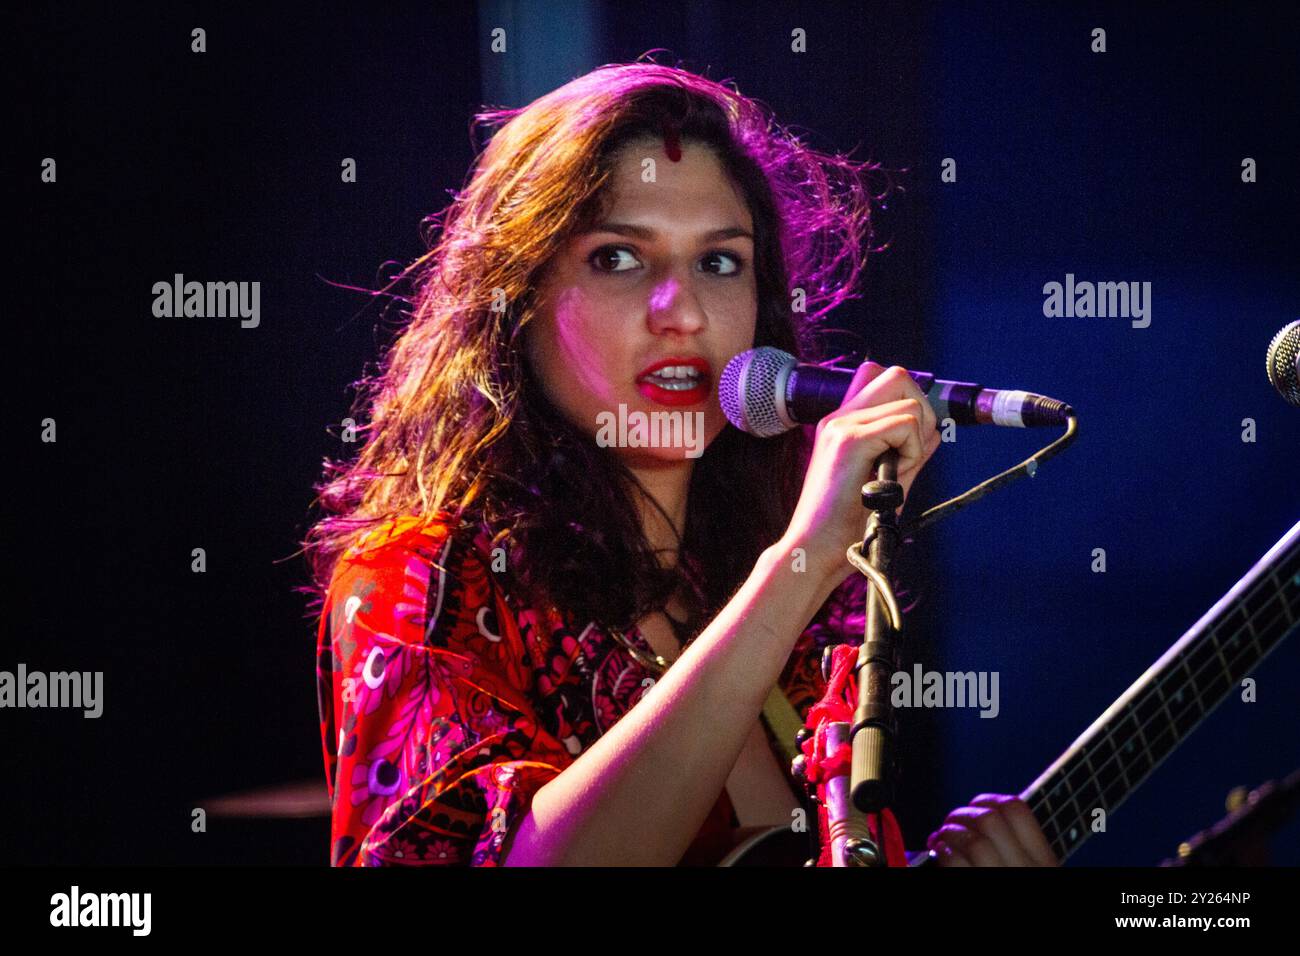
672 143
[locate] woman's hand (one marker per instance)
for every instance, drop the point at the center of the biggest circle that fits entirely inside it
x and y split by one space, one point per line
997 829
883 409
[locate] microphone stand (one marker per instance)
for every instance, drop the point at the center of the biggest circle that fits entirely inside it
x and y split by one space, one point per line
867 787
873 722
846 763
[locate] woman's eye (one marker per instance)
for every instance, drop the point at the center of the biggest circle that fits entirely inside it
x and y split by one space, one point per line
727 263
613 259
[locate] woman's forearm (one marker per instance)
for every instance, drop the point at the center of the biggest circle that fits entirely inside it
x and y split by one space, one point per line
640 793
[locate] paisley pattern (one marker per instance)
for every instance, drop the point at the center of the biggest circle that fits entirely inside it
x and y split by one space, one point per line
444 706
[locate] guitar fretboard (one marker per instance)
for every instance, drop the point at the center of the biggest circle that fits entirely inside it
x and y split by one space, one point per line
1150 719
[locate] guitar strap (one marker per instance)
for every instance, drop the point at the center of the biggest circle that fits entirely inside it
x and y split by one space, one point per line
783 722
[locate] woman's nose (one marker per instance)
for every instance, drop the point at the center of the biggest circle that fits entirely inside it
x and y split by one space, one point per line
673 305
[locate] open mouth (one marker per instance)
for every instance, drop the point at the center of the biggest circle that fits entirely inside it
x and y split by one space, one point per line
676 381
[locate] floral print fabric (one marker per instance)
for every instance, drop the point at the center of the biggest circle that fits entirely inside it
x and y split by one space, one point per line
444 706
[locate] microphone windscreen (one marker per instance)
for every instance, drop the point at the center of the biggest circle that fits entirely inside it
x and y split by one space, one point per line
1283 362
747 390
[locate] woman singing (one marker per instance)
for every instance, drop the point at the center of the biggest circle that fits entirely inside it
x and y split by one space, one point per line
539 647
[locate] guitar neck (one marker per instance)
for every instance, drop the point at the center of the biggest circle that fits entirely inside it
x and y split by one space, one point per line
1149 720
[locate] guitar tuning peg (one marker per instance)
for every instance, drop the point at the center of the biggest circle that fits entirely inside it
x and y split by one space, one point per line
828 658
803 735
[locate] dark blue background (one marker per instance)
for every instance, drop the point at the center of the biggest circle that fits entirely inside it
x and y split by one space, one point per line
1117 166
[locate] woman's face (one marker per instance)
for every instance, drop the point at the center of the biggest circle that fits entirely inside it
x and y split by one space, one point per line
664 282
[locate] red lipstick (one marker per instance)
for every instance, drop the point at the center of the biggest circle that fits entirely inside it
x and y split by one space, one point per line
677 389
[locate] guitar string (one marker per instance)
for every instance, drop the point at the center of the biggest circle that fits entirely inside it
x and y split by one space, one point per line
1158 680
1244 651
1041 798
1076 813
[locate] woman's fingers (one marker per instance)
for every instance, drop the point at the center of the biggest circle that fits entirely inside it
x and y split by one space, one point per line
883 409
1021 819
946 854
995 830
968 843
875 385
898 425
866 373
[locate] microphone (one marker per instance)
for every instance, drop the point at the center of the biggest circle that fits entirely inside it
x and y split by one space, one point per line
1283 362
766 391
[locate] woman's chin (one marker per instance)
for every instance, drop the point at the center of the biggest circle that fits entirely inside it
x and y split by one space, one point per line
655 437
660 457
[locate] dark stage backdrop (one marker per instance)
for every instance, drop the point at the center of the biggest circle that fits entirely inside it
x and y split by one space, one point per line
175 434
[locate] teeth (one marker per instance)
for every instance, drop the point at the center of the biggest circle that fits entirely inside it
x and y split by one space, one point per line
677 371
675 378
675 386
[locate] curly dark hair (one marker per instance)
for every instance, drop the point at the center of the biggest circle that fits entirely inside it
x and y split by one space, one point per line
458 425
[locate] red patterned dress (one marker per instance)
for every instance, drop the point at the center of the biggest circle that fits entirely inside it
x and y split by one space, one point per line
444 705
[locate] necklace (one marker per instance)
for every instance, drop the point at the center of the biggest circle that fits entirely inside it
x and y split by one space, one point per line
652 661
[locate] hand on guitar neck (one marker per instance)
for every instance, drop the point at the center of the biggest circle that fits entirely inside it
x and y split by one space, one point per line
996 829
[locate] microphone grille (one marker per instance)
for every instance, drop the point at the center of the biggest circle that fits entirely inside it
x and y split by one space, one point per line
747 390
1283 366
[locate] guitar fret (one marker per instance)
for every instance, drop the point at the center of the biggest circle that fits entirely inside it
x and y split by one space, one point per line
1110 759
1223 662
1069 830
1087 794
1071 838
1249 657
1187 703
1259 601
1105 765
1212 681
1038 807
1233 645
1281 577
1047 821
1289 577
1158 739
1136 744
1252 614
1243 655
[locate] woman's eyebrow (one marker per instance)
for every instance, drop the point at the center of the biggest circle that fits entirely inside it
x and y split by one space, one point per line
642 232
